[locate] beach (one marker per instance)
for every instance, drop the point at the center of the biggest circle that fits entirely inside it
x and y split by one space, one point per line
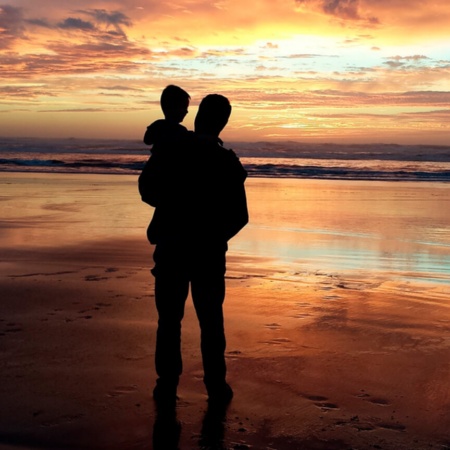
337 319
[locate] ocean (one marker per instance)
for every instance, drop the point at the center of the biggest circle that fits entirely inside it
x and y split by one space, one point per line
388 162
317 206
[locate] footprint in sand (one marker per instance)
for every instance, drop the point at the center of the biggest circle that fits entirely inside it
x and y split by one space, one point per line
375 400
95 278
82 315
325 288
301 316
13 327
331 297
321 402
99 306
315 398
326 406
392 426
302 304
277 341
69 418
96 307
378 401
273 326
356 423
357 285
364 427
122 390
362 394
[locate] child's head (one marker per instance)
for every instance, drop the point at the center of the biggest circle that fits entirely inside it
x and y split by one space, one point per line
174 103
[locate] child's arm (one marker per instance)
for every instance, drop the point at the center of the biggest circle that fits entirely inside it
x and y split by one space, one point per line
164 134
155 132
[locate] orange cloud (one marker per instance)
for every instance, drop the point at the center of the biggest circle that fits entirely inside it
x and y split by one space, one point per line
340 9
287 66
12 26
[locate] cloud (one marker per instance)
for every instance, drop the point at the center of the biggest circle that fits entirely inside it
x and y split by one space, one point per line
414 58
44 23
76 24
340 9
100 23
406 61
346 9
101 44
439 114
305 56
22 92
68 59
12 25
339 98
99 55
119 88
116 19
271 46
74 110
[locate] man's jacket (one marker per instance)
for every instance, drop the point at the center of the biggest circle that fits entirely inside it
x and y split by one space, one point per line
198 193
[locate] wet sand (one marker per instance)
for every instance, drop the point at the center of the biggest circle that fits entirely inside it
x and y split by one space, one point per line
323 353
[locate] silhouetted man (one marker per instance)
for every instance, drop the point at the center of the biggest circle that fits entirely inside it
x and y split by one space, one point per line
198 193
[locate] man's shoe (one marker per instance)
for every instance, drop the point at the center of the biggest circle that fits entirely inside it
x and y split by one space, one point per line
165 395
220 395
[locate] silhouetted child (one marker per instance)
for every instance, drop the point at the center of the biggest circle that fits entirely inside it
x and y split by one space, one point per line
167 132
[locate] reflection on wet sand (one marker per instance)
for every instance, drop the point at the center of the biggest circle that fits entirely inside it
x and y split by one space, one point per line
402 229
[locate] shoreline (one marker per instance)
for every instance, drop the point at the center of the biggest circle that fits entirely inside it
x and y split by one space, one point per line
276 176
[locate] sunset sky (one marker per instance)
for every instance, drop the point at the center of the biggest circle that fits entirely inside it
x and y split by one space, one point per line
306 70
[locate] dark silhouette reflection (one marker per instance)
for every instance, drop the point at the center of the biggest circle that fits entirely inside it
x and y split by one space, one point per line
213 428
166 429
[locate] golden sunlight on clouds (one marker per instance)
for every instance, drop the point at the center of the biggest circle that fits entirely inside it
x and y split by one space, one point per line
344 70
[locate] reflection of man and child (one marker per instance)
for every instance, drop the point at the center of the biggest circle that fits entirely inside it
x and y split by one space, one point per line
197 189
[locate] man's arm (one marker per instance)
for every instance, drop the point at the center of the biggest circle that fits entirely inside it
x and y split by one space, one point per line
237 215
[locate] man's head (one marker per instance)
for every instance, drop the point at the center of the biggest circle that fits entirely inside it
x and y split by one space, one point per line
213 114
174 103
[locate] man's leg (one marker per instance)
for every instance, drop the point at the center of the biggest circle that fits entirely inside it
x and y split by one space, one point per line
208 294
171 290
